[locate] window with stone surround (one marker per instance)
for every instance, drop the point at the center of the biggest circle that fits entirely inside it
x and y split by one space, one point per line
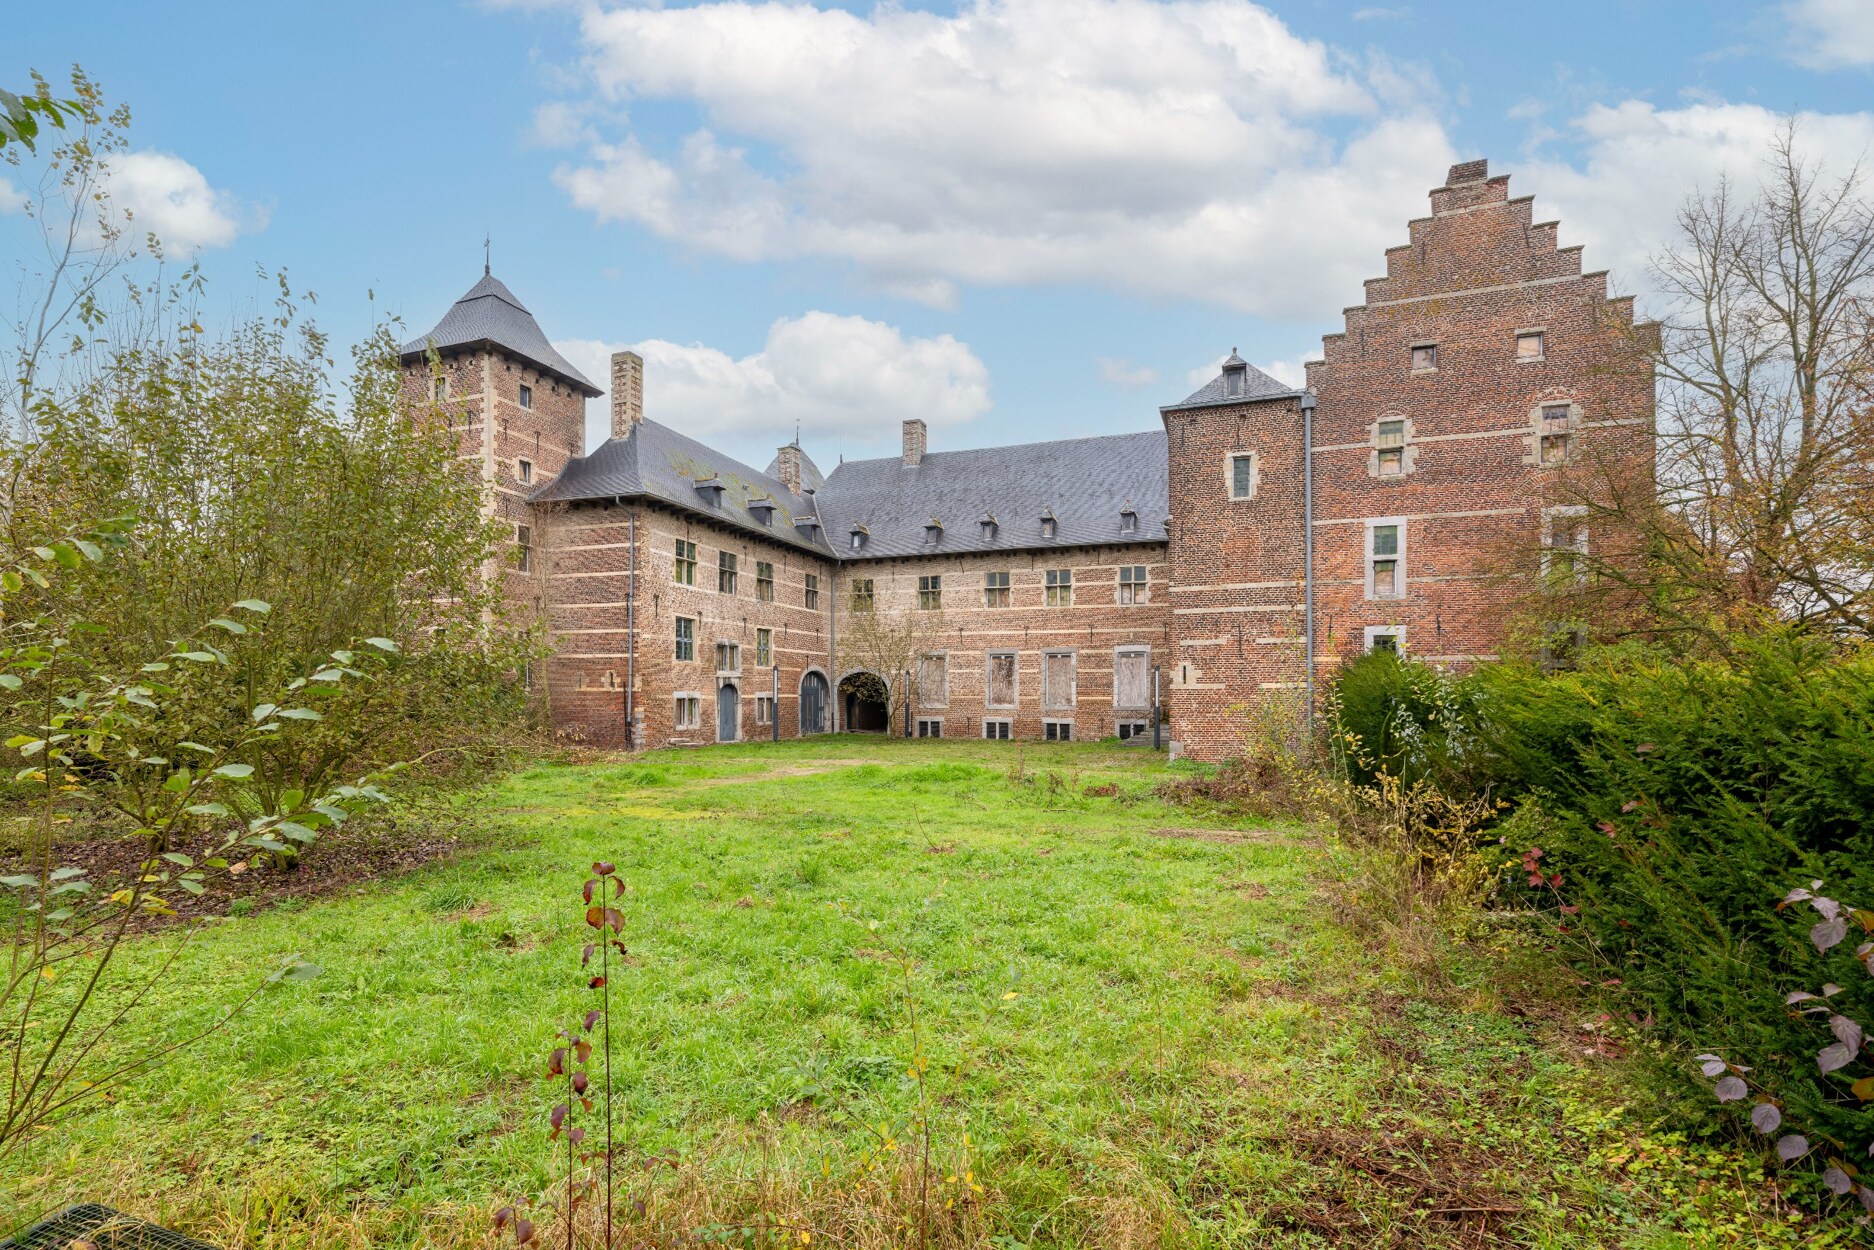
930 727
999 688
811 596
997 730
1424 357
527 396
930 592
1240 472
764 648
1132 583
1530 345
933 679
686 638
524 540
862 594
1059 688
1060 588
1564 543
764 581
728 657
1389 440
1132 678
689 713
1057 731
524 470
764 709
1385 638
1554 430
995 590
1385 558
685 570
725 572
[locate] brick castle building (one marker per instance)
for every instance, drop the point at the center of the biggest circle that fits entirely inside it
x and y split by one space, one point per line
1064 589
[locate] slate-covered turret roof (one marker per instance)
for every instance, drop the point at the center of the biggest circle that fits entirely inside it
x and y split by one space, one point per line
490 316
1237 382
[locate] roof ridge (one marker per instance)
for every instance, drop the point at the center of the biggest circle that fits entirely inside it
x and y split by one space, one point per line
1041 442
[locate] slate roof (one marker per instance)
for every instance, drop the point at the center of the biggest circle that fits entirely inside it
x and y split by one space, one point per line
489 314
1255 385
657 462
811 479
1084 483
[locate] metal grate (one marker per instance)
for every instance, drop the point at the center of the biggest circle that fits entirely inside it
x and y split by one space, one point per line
101 1227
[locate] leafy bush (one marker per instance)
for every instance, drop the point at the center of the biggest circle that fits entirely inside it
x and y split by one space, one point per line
1396 717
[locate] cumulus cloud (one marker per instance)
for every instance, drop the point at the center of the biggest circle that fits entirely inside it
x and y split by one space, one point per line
1638 163
841 378
164 195
1190 148
1123 372
1831 34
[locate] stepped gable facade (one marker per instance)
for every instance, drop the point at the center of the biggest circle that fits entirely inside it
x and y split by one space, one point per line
1069 586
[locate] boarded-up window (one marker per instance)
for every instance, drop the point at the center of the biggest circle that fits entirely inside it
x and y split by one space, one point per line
1057 679
933 680
1132 679
999 679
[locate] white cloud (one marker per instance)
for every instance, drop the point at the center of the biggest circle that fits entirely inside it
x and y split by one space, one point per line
1831 34
1638 164
1123 372
12 199
844 378
166 196
1293 372
1380 15
1186 148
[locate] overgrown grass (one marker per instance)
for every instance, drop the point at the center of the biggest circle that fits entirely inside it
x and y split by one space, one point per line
1195 1055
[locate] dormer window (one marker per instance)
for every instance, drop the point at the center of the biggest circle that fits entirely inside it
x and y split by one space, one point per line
1049 527
858 538
1128 521
762 510
710 488
933 532
988 524
1235 375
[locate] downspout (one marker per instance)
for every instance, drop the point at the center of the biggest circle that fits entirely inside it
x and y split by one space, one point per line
631 630
1307 555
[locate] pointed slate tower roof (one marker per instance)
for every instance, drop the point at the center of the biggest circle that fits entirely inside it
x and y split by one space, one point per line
1238 382
490 316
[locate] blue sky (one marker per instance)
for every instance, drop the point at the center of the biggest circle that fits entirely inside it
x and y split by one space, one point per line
1019 219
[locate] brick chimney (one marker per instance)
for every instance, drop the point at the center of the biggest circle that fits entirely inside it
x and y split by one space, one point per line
914 440
627 392
787 466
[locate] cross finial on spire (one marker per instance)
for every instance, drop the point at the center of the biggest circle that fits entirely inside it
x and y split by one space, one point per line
485 255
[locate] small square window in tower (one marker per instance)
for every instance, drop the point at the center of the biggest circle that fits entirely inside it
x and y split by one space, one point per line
527 396
1424 357
1529 345
1243 475
1390 437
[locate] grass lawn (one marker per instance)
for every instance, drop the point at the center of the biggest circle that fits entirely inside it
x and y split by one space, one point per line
1144 1028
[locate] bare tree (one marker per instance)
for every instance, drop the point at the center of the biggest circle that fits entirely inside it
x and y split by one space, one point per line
1763 503
895 645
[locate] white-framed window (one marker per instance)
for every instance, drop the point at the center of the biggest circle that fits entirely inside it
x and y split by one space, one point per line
930 727
764 581
1000 676
933 679
527 396
686 638
1564 543
1385 638
1058 680
862 600
1424 357
764 648
689 712
764 709
1241 474
1132 583
1130 729
810 597
728 657
684 570
1060 588
1531 345
997 730
1057 731
996 590
1386 558
524 540
725 572
930 592
524 470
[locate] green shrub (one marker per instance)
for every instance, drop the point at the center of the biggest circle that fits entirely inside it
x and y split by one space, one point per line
1399 717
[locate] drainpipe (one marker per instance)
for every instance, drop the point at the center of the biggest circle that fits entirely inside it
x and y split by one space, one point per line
1307 554
774 708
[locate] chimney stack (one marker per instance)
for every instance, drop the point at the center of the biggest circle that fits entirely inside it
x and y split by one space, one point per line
914 441
627 392
787 466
